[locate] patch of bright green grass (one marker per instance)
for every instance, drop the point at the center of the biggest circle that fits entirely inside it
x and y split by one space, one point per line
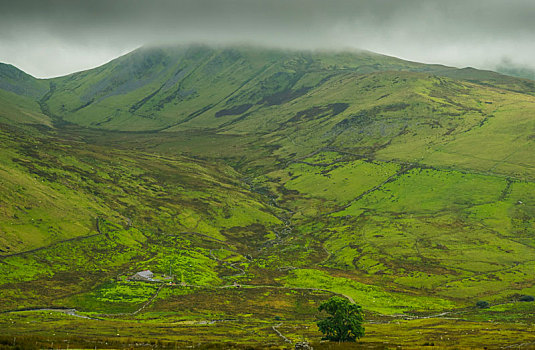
340 182
369 297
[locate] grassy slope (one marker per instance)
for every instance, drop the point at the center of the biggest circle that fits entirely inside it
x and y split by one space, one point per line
16 81
17 109
190 87
405 186
64 201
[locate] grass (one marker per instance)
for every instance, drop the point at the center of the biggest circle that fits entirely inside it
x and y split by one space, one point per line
370 297
65 331
254 177
82 217
340 182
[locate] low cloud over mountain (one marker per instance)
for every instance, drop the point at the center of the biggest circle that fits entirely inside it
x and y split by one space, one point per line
54 37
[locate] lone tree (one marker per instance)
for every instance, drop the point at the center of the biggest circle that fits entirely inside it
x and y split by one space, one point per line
344 322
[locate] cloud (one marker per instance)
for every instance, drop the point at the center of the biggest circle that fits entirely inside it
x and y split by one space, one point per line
53 37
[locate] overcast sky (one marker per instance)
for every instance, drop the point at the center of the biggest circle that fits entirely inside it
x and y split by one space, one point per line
55 37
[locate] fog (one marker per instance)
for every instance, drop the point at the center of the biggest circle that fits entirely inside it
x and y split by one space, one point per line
55 37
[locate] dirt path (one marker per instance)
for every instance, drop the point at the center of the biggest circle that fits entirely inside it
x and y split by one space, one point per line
275 328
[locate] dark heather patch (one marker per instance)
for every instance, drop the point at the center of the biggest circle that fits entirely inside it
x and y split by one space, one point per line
393 107
237 110
83 106
319 112
284 96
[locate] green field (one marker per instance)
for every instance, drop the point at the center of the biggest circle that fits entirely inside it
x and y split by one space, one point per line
257 183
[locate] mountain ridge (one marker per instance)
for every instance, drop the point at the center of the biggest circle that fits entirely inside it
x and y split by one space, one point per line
264 182
140 74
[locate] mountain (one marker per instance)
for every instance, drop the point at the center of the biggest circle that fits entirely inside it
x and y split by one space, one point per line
201 87
264 181
516 70
303 101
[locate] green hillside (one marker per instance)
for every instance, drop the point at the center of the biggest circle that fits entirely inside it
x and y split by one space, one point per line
200 87
16 81
261 182
19 97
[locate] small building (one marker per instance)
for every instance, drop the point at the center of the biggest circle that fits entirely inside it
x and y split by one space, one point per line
145 275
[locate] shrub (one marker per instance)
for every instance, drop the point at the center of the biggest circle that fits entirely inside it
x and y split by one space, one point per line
526 298
482 304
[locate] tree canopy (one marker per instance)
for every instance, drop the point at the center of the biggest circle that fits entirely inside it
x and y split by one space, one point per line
345 320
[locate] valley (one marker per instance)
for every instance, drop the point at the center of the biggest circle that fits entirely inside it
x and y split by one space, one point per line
262 182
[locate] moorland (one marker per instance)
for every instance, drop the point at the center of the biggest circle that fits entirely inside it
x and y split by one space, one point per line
257 183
